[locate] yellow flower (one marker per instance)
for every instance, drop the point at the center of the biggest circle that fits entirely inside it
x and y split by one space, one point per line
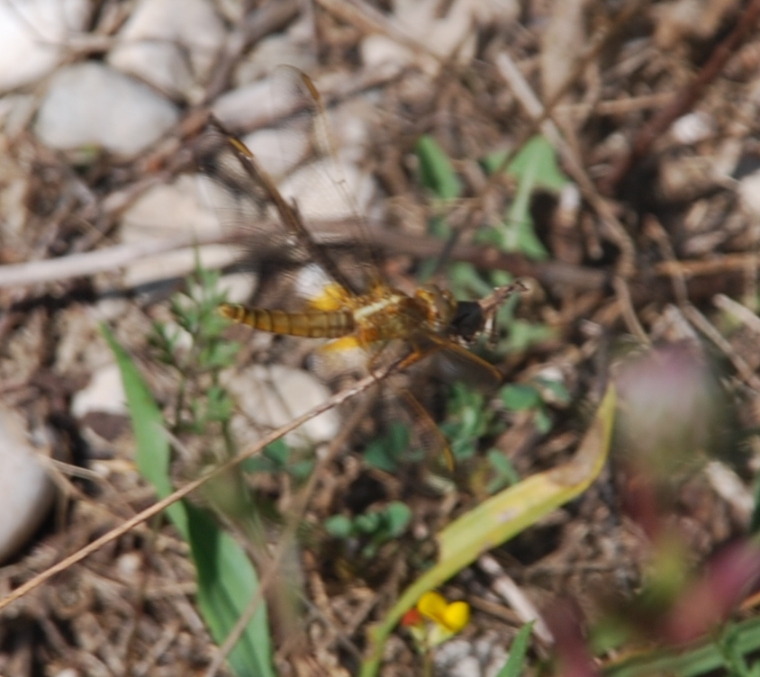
448 618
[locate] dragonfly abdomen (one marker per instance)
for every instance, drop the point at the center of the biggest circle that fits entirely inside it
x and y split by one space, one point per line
309 324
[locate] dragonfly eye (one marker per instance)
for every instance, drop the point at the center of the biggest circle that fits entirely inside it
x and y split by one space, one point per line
468 320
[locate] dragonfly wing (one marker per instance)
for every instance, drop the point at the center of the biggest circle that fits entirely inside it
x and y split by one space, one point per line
452 362
327 186
426 435
293 175
244 208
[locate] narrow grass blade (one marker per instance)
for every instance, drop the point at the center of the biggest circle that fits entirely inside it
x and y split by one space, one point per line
152 454
436 171
514 666
226 579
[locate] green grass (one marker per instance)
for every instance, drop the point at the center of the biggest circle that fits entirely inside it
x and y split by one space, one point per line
226 578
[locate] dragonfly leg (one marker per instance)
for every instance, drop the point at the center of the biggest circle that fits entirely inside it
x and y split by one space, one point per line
426 430
374 361
417 353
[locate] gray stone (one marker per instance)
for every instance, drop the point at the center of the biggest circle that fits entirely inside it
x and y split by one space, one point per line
91 104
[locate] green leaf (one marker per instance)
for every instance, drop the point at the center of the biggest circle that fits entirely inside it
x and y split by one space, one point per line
398 515
218 354
542 421
557 388
278 451
226 578
220 405
466 282
226 583
523 335
515 665
506 475
152 454
536 156
339 526
468 419
386 452
368 522
520 397
534 167
516 231
707 657
436 172
301 470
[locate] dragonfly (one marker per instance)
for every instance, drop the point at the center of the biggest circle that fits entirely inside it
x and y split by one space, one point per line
356 308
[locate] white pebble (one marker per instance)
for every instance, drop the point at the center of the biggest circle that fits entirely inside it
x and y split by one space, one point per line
273 396
104 393
33 37
26 490
170 44
91 104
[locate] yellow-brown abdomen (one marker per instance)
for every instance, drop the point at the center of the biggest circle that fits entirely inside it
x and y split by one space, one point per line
310 324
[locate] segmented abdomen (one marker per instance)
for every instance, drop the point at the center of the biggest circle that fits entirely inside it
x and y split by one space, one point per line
310 324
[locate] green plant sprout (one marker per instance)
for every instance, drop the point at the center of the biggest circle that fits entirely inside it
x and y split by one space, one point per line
532 396
201 400
534 167
390 451
277 458
468 420
195 349
515 663
371 529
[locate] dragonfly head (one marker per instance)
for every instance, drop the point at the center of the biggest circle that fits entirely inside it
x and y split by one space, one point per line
468 320
471 317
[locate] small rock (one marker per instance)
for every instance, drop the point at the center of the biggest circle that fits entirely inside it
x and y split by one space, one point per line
255 105
455 659
491 653
279 150
273 396
33 35
238 287
185 206
26 490
380 51
273 51
445 36
91 104
104 393
129 567
749 194
169 209
325 192
170 44
693 128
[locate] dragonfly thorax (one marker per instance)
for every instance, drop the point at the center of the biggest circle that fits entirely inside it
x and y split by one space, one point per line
386 313
441 306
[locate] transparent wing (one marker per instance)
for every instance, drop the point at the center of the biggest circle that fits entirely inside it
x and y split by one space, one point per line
452 362
327 185
289 179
